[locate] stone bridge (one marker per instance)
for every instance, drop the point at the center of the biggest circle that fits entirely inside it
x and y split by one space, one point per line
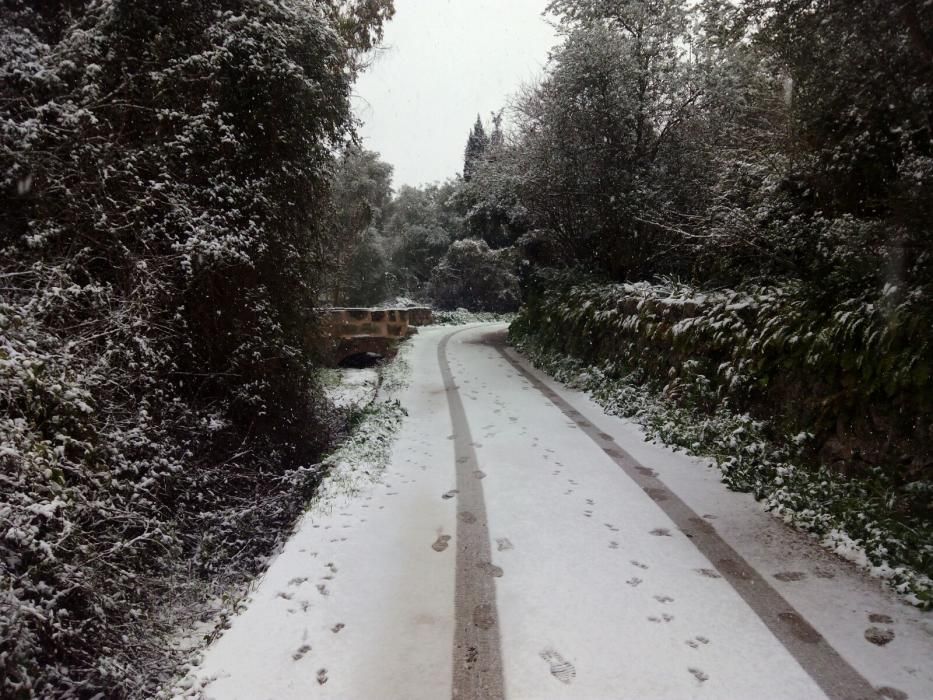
357 333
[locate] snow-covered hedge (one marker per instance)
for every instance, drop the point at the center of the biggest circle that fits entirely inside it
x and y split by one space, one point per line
822 412
461 317
163 173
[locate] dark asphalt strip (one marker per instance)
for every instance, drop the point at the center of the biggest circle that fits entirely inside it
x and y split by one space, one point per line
477 667
833 674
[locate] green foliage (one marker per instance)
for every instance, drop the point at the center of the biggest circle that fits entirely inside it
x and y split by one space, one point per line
355 256
366 278
856 372
723 143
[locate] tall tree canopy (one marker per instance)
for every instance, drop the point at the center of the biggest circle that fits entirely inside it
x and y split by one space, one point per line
476 145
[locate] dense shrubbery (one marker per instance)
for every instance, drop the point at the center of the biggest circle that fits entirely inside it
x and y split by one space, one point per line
472 276
857 376
165 167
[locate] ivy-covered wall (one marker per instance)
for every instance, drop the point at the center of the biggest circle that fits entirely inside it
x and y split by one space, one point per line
854 377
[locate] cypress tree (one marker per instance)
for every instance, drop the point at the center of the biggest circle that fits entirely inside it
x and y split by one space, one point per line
477 143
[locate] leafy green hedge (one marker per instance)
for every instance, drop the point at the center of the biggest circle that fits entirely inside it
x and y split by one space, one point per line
822 412
857 375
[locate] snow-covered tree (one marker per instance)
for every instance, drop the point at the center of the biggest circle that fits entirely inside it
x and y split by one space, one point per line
362 188
476 145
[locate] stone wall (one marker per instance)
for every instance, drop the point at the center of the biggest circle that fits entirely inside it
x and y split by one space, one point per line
386 323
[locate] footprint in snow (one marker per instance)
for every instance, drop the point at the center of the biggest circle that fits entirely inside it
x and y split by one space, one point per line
635 562
661 532
708 573
788 576
634 581
699 675
879 636
322 676
489 568
484 616
560 668
663 599
879 618
440 544
301 651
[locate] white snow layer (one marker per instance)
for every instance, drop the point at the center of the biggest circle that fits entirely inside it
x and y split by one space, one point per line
601 596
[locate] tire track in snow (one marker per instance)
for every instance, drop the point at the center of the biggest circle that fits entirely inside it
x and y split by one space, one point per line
834 675
477 667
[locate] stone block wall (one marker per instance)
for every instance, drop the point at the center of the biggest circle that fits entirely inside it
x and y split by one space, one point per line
420 316
386 323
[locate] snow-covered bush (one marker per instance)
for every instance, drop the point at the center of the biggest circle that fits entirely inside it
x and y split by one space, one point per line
461 317
473 276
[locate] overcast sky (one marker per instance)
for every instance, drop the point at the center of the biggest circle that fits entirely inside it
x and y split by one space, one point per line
443 62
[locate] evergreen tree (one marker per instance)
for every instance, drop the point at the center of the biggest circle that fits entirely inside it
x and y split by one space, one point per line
497 138
476 146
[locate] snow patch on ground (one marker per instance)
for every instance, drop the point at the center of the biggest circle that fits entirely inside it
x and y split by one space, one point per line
347 387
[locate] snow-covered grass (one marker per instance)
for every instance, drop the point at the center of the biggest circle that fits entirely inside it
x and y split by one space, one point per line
861 519
372 428
347 387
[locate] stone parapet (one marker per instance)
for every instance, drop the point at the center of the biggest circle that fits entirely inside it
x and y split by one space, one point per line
351 331
388 323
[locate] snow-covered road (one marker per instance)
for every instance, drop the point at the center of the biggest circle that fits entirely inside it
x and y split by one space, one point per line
522 544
